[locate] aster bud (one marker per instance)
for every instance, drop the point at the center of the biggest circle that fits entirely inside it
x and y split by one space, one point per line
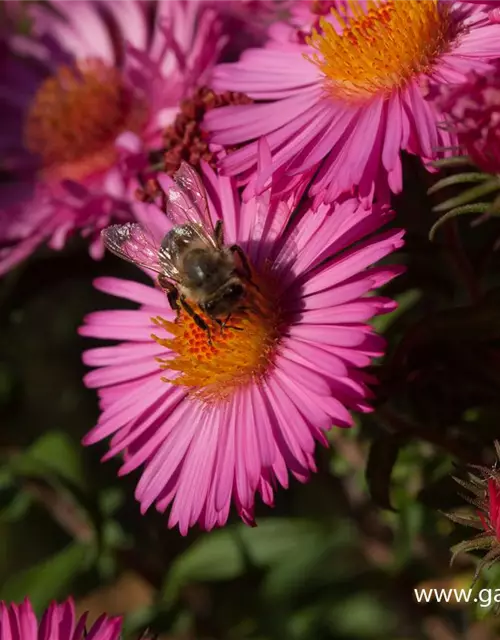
484 494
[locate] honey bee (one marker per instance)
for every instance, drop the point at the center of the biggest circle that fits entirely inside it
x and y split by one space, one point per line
194 266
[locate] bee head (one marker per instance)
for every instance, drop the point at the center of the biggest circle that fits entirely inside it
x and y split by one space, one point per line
225 299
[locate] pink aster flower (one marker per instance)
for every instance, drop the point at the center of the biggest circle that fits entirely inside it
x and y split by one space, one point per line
93 85
472 112
341 95
59 622
212 424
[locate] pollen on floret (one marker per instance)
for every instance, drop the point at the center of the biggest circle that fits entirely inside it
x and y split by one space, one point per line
237 354
185 138
371 53
75 117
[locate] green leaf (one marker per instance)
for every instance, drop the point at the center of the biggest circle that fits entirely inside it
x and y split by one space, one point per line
460 178
111 499
14 503
454 161
220 555
54 462
16 507
406 301
54 452
381 460
466 519
216 556
155 618
475 544
303 569
409 527
275 540
479 207
469 195
47 580
362 616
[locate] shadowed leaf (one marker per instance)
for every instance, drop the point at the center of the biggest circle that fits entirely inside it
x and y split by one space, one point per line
48 580
381 460
469 195
461 178
479 207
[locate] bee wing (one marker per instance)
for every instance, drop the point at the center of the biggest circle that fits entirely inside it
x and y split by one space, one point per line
133 243
187 203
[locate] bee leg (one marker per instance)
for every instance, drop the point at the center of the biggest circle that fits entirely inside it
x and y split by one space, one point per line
219 233
247 272
198 319
172 292
224 325
235 248
221 324
173 300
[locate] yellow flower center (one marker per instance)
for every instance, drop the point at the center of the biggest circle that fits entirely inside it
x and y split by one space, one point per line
381 49
237 354
75 117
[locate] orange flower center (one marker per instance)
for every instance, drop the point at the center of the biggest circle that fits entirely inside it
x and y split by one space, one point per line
75 117
381 49
237 354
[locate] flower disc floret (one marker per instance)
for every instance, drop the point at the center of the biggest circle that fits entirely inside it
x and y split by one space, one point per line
369 56
76 116
238 354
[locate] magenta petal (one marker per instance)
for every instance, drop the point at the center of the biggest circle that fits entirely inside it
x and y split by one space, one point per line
58 622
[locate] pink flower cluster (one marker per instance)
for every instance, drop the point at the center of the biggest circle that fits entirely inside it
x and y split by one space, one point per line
81 99
297 147
472 112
